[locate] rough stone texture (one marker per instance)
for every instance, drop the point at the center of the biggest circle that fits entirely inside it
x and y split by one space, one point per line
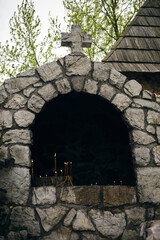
25 216
17 136
150 129
90 236
4 211
24 118
153 117
62 233
63 86
2 238
17 84
69 218
51 216
156 154
118 195
50 71
77 65
142 156
77 83
35 103
150 213
21 154
154 231
107 91
142 137
3 153
133 88
3 94
135 117
135 215
27 92
28 73
5 119
147 104
16 102
85 195
157 213
121 101
44 195
82 222
101 71
108 224
117 79
130 235
91 86
38 84
22 235
16 181
148 183
158 133
147 94
157 98
47 92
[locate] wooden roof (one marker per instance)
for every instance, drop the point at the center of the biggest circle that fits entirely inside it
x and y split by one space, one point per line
138 49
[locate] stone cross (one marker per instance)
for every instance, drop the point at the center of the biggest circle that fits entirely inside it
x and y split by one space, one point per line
76 40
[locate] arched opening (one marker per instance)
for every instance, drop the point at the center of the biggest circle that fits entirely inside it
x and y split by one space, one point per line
88 131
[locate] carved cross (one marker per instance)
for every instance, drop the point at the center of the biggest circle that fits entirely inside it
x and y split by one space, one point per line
76 40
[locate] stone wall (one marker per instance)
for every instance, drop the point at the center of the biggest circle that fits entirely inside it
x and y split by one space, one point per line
110 212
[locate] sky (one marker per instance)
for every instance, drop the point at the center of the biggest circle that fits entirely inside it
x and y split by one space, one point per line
42 7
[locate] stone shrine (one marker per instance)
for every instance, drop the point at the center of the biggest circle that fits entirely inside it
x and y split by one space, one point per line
93 212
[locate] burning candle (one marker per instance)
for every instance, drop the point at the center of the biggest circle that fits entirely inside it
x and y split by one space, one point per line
70 168
61 172
55 164
32 168
65 169
121 182
114 182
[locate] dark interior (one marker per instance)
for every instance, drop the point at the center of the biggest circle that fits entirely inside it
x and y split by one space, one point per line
88 131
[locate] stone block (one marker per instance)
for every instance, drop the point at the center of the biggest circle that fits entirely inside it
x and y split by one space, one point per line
17 136
63 86
101 71
135 117
85 195
22 235
107 91
44 195
77 83
21 154
150 129
130 235
16 102
153 118
5 119
132 88
82 222
121 101
15 85
3 94
108 224
48 92
92 236
28 73
77 65
156 154
142 156
69 218
90 86
142 138
158 133
118 195
141 103
25 216
27 92
16 181
24 118
35 103
135 215
148 183
147 94
51 216
50 71
153 231
3 153
116 78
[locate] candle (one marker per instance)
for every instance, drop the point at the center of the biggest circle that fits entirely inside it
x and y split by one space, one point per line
67 168
32 168
114 182
61 172
55 164
121 182
65 172
70 168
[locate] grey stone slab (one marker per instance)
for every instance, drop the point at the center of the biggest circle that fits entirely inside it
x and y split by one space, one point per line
133 88
69 218
28 73
135 215
108 224
135 117
21 154
153 117
151 129
5 119
148 183
107 91
25 216
117 79
91 236
82 222
101 72
158 133
3 94
156 154
35 103
50 71
3 153
27 92
142 156
47 92
77 83
17 136
90 86
24 118
142 103
44 195
22 235
63 86
16 102
154 230
142 138
16 181
130 235
121 101
147 94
